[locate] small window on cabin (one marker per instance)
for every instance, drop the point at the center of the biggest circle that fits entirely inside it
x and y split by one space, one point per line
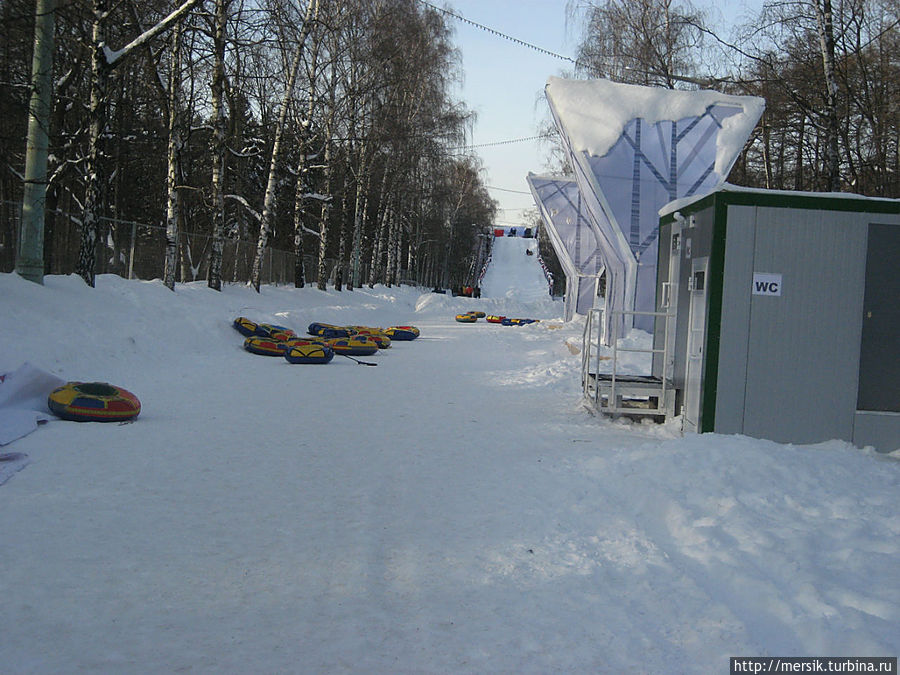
699 280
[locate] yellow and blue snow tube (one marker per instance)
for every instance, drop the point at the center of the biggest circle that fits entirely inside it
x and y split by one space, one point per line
466 318
317 328
245 326
264 346
308 351
477 313
302 342
93 402
382 340
336 332
358 345
274 332
402 333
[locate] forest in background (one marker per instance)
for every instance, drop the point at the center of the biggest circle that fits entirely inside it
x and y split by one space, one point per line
297 142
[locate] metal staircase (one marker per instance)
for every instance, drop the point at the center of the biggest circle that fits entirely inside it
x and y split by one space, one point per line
616 393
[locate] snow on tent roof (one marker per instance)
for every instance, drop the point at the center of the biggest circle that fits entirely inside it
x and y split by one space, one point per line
634 149
596 112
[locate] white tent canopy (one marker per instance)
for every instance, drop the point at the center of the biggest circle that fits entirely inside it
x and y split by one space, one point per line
635 149
581 253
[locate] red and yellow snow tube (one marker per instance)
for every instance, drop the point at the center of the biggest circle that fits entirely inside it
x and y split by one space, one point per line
380 339
265 346
318 328
275 332
358 345
402 333
93 402
493 318
308 351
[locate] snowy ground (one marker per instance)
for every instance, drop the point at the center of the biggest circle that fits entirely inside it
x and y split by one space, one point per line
453 510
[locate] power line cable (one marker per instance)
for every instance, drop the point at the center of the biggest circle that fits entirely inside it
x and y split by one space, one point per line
490 30
518 192
506 142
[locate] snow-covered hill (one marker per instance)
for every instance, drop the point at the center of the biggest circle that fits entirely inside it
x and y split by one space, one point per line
512 273
452 510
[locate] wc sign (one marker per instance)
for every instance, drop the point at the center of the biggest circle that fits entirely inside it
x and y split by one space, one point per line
766 284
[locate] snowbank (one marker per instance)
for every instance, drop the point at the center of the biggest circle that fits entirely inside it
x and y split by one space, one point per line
454 509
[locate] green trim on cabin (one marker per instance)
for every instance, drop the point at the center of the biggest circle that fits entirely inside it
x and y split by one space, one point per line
799 200
714 296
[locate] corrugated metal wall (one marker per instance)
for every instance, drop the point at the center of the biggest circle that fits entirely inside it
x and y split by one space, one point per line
803 344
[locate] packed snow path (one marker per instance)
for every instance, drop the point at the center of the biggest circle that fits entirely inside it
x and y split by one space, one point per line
453 510
513 274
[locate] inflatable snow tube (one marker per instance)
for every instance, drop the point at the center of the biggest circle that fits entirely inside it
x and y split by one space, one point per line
466 318
493 318
364 330
302 342
317 328
93 402
402 333
336 332
264 346
376 334
275 332
245 326
382 340
354 346
310 352
477 313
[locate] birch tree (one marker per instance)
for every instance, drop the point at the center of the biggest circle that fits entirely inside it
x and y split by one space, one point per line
265 225
217 144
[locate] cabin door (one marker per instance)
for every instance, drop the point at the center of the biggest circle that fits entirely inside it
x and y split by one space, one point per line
696 339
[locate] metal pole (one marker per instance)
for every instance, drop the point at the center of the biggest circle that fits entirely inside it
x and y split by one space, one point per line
30 253
131 254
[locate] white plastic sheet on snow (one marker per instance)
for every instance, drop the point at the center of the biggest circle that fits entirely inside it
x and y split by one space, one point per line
634 149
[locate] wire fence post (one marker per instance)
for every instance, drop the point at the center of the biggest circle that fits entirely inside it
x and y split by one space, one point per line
131 253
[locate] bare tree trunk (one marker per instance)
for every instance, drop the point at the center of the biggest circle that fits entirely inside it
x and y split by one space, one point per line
299 190
801 139
358 215
342 248
102 63
767 150
825 22
322 268
378 244
392 249
87 253
214 278
265 224
176 140
301 185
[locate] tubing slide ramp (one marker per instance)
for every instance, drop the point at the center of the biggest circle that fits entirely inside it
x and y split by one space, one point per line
513 273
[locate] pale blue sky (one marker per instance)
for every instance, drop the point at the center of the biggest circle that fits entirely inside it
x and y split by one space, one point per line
504 82
503 86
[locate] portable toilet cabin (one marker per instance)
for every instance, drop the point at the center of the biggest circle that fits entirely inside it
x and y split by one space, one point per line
787 315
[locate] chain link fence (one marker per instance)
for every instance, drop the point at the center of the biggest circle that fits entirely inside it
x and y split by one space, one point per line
136 250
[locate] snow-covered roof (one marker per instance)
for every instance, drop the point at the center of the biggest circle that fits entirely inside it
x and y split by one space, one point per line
595 113
677 204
